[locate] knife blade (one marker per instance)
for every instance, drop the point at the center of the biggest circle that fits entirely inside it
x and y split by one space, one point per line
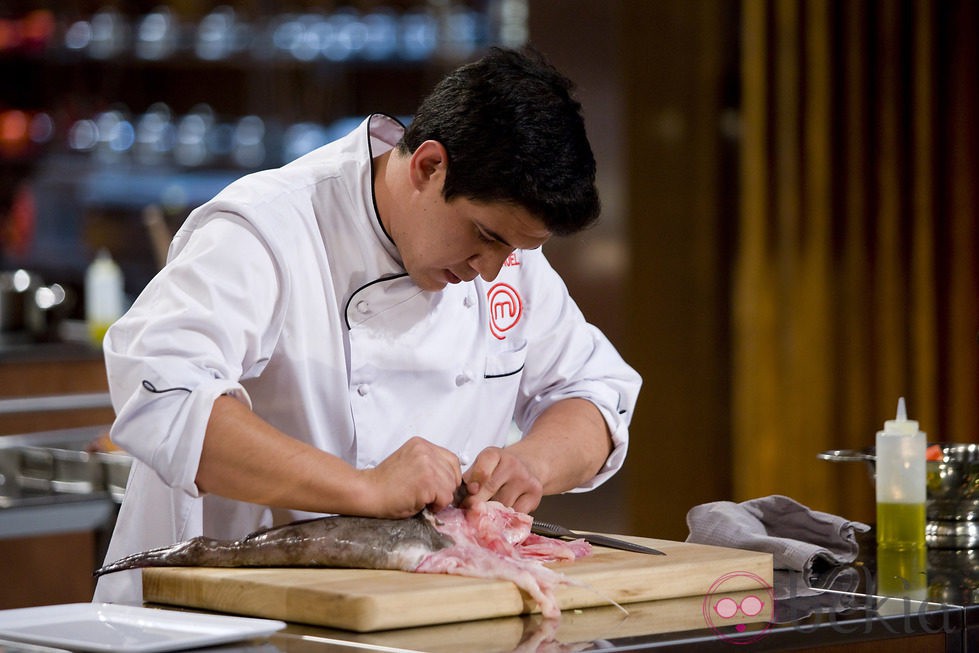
554 530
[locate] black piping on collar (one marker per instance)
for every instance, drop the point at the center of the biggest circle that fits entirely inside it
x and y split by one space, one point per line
370 156
346 307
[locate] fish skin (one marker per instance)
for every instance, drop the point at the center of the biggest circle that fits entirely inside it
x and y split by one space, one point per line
335 541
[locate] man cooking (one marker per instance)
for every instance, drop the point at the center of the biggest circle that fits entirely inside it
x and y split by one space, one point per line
359 331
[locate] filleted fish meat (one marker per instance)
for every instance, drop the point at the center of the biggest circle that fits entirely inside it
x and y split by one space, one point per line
486 541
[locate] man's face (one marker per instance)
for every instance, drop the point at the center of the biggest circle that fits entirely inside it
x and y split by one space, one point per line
447 242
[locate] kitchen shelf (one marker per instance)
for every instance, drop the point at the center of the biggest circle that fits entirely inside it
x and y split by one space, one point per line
280 97
37 516
28 512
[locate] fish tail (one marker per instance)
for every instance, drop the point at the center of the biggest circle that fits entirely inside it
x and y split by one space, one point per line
182 554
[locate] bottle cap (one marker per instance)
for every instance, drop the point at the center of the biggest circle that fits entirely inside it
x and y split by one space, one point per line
900 425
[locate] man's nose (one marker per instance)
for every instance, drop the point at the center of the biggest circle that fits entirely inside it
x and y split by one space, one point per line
489 263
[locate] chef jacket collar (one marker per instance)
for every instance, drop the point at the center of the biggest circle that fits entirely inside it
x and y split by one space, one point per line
383 134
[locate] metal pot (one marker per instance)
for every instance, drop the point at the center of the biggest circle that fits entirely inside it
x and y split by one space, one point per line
953 481
17 290
26 304
952 492
116 466
60 469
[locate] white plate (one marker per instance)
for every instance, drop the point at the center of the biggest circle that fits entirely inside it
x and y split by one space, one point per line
112 627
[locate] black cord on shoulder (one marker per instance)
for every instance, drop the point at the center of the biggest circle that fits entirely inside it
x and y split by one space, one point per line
152 388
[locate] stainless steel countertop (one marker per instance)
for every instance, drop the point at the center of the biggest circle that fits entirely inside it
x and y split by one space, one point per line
48 403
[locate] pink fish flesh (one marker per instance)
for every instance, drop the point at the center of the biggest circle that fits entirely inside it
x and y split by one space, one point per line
492 541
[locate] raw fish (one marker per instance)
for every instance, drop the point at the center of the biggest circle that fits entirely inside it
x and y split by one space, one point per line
487 541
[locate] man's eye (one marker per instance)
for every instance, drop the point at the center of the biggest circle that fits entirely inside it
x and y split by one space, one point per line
485 238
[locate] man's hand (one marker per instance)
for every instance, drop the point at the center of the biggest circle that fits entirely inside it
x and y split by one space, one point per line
417 475
500 475
246 458
566 446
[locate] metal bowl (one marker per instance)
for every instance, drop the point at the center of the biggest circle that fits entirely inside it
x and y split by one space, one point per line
116 466
953 481
67 468
60 469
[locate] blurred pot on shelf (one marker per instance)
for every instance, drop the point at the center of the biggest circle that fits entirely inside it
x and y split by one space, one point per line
28 306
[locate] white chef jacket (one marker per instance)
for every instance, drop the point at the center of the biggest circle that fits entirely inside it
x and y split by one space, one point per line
285 292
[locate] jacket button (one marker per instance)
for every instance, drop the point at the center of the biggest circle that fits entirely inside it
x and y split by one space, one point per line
467 301
363 306
464 378
363 389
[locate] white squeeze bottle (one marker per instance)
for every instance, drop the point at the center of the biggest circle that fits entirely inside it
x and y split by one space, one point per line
901 483
103 296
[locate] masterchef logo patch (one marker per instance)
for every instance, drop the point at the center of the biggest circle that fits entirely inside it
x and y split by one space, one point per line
505 308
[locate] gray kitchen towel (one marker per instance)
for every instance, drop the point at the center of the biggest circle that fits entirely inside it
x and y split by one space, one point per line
799 538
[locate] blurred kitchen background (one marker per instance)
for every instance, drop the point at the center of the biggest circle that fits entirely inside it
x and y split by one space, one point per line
789 241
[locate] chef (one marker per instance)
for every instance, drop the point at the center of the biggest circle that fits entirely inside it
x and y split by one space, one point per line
372 326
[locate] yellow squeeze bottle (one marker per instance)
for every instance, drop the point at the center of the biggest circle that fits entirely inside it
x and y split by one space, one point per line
901 483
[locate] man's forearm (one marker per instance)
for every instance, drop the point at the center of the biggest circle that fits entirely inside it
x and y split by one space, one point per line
567 445
247 459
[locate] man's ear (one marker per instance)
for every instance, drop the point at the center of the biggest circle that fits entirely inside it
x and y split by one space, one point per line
427 164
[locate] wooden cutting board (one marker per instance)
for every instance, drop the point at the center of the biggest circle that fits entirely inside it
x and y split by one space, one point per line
368 600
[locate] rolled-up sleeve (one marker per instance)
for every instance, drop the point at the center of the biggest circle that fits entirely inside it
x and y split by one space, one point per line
570 358
203 324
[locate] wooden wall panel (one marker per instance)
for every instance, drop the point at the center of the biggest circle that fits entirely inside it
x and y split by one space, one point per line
47 570
53 376
57 568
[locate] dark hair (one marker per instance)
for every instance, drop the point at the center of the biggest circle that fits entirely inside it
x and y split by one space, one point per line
513 133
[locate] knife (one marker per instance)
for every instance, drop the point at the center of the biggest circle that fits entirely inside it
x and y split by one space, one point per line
553 530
